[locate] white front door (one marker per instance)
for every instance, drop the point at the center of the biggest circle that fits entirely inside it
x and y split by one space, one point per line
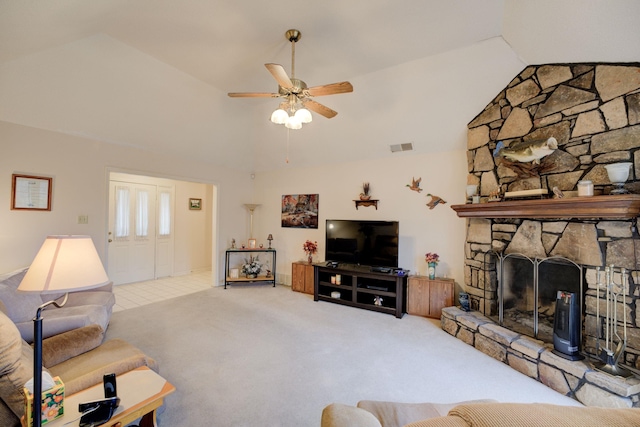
164 241
132 232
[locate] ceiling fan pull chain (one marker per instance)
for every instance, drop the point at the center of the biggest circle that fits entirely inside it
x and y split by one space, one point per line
287 157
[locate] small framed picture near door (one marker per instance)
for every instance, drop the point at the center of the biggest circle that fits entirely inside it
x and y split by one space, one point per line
252 243
195 204
31 193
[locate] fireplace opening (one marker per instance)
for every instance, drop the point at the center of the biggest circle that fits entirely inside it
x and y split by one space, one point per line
527 292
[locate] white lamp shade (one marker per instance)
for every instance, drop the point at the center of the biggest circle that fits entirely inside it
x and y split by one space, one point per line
65 263
293 122
304 115
279 116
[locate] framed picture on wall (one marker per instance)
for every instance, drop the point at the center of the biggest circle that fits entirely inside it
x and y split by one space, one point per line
195 204
300 210
31 193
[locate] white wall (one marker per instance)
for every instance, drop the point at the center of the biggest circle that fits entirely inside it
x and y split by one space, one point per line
548 31
79 167
193 245
102 88
421 230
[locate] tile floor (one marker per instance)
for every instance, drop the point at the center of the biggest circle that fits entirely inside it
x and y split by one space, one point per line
136 294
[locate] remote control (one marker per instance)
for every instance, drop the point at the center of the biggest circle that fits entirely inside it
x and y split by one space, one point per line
110 385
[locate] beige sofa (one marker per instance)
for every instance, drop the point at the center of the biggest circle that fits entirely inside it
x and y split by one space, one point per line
78 357
474 414
90 307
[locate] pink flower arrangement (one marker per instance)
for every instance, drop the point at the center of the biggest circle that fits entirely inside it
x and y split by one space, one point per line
431 257
310 247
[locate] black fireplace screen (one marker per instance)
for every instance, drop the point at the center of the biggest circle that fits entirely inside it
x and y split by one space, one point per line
527 291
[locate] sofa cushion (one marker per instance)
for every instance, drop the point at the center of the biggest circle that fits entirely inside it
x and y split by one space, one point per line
108 288
21 306
543 415
86 370
59 320
339 415
440 422
5 276
107 299
394 414
16 365
70 344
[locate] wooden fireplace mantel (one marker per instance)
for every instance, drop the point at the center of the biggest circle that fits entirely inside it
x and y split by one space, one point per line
618 206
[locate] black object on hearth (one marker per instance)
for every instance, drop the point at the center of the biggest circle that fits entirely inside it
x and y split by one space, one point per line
566 326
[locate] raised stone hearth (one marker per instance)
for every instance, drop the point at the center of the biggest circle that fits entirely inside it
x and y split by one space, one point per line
535 359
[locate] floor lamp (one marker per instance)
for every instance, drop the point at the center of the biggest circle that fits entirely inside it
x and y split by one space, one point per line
251 207
63 264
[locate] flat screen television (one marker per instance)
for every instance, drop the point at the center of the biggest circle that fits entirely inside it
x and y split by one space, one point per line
371 243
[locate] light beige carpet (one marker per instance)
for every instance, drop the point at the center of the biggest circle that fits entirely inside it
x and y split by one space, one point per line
261 356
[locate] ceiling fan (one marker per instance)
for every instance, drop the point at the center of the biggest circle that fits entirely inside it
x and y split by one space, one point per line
294 110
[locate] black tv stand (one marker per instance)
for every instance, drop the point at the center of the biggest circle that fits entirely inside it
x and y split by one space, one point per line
359 286
381 269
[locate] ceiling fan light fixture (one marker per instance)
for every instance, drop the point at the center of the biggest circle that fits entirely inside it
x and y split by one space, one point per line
304 115
279 116
293 122
297 95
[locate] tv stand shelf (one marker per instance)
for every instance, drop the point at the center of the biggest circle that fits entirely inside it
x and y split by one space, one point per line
359 287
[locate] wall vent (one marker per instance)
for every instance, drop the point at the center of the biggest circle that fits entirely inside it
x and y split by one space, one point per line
401 147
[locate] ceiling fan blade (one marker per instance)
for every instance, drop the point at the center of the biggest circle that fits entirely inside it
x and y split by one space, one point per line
331 89
253 95
319 108
278 73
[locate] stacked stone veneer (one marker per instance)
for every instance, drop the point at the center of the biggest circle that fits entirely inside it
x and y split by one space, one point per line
535 359
593 110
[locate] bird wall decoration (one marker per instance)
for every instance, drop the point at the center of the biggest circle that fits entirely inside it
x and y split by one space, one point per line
415 185
435 201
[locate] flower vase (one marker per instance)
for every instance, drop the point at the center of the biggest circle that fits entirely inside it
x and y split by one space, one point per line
432 270
310 259
252 276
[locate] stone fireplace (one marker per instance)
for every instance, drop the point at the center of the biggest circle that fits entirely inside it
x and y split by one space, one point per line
593 111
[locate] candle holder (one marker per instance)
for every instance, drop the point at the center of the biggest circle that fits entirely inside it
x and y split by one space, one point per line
618 174
472 190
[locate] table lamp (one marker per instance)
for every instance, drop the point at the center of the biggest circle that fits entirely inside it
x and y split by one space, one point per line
63 264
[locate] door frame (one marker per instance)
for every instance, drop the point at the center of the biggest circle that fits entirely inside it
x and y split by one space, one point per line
215 212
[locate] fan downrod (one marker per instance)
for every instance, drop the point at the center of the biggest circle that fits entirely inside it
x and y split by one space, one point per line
293 35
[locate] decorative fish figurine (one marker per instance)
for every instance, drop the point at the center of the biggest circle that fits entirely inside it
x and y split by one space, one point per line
415 185
529 151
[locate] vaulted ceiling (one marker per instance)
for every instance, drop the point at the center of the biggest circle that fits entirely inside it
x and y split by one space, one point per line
154 74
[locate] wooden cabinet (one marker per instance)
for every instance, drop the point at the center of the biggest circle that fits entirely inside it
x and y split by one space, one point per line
428 297
302 277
